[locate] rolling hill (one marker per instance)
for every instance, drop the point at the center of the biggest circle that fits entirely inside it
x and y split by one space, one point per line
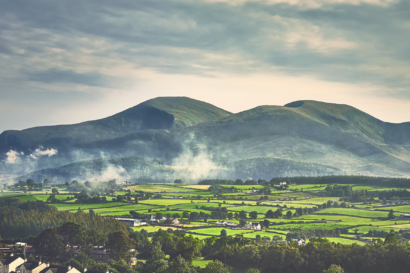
202 141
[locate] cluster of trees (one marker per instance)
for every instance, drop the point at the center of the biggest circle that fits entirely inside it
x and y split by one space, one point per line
30 185
393 194
316 256
346 179
18 220
337 190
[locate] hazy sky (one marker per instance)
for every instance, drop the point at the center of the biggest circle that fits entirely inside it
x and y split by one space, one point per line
69 61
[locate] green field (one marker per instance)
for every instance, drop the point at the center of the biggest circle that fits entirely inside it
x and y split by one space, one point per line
177 199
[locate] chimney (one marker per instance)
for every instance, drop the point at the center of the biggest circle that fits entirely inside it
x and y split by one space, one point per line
48 264
85 269
69 267
12 254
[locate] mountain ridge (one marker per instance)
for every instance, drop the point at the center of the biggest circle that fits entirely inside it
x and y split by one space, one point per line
185 133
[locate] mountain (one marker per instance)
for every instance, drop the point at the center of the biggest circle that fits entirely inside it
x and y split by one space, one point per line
202 141
158 113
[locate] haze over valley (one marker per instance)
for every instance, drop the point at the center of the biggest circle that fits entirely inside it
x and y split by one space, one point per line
170 138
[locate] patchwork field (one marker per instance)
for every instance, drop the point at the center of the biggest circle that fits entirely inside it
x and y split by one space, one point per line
177 199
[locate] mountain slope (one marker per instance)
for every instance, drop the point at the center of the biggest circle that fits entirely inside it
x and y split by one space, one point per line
158 113
300 138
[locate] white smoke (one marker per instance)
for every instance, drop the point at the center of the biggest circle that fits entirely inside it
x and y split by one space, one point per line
49 152
13 157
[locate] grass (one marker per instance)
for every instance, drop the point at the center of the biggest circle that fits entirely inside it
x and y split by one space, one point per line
88 206
354 212
201 263
197 187
168 202
217 231
344 241
157 187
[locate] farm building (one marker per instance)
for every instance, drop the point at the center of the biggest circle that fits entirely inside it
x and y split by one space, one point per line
299 241
251 225
132 222
404 217
282 183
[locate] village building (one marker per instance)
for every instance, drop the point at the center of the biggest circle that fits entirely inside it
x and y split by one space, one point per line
299 241
403 217
31 267
10 263
282 183
132 222
175 221
59 269
251 225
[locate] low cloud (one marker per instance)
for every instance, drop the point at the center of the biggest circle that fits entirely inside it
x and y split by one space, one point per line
14 157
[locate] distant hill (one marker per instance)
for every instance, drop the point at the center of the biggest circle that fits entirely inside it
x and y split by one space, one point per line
196 140
158 113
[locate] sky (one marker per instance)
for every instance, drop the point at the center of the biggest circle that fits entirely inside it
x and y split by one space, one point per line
69 61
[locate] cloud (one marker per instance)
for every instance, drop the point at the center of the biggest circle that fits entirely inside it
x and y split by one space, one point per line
70 53
13 157
48 152
55 75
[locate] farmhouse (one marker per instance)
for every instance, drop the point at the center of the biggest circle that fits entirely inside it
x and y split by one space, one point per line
403 217
299 241
10 263
251 225
220 222
282 183
132 222
175 221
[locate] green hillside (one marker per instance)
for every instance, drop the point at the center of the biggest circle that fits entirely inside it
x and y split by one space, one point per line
159 113
303 138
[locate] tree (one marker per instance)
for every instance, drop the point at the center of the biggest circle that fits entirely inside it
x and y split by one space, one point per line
266 223
334 269
49 243
242 215
176 215
54 191
288 214
269 214
157 261
179 265
242 223
119 244
71 233
391 214
178 181
87 184
46 183
223 233
253 214
188 248
391 239
252 270
158 216
238 182
216 267
185 214
30 183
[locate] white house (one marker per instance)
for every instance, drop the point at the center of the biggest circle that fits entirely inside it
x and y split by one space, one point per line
10 264
175 221
31 267
282 183
299 241
251 225
220 222
132 222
